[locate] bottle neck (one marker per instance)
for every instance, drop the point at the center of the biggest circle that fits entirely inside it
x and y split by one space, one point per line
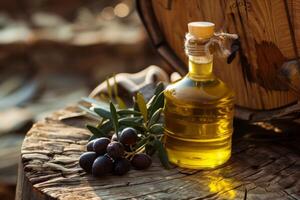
201 67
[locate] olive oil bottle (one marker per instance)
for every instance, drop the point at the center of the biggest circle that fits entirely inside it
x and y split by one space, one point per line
198 108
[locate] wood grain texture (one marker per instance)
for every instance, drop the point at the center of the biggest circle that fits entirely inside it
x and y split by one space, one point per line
269 32
261 170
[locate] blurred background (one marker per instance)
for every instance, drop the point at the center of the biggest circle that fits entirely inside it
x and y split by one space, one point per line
52 53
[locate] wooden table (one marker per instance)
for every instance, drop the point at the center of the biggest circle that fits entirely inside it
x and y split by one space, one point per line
261 167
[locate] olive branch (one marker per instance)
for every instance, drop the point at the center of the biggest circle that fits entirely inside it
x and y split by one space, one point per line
144 116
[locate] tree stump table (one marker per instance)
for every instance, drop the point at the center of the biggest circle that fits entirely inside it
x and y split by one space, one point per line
261 167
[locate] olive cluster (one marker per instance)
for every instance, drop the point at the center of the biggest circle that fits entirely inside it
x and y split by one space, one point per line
106 155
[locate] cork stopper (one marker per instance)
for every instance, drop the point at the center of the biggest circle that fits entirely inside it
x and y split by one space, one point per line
203 30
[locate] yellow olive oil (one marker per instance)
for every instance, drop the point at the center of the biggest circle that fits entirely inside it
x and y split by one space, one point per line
198 118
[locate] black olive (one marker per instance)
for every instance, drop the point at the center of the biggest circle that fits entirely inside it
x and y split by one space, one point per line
100 145
128 136
141 161
86 161
122 166
102 165
115 150
89 146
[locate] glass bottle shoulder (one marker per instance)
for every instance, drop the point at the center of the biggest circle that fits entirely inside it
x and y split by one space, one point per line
199 92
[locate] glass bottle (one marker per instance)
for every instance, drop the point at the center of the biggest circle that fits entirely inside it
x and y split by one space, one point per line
199 110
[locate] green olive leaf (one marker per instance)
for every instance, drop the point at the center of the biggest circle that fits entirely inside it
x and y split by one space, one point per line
157 129
92 138
142 106
158 103
155 117
89 111
162 154
141 129
128 112
130 118
135 105
106 126
151 101
96 132
100 123
130 121
102 113
159 88
121 103
135 119
114 118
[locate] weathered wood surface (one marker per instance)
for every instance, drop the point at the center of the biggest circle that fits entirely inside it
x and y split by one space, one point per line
260 168
269 33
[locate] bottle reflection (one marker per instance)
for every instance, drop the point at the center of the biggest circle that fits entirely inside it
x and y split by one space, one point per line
224 187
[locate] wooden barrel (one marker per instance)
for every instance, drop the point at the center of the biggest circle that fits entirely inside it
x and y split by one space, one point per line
265 74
